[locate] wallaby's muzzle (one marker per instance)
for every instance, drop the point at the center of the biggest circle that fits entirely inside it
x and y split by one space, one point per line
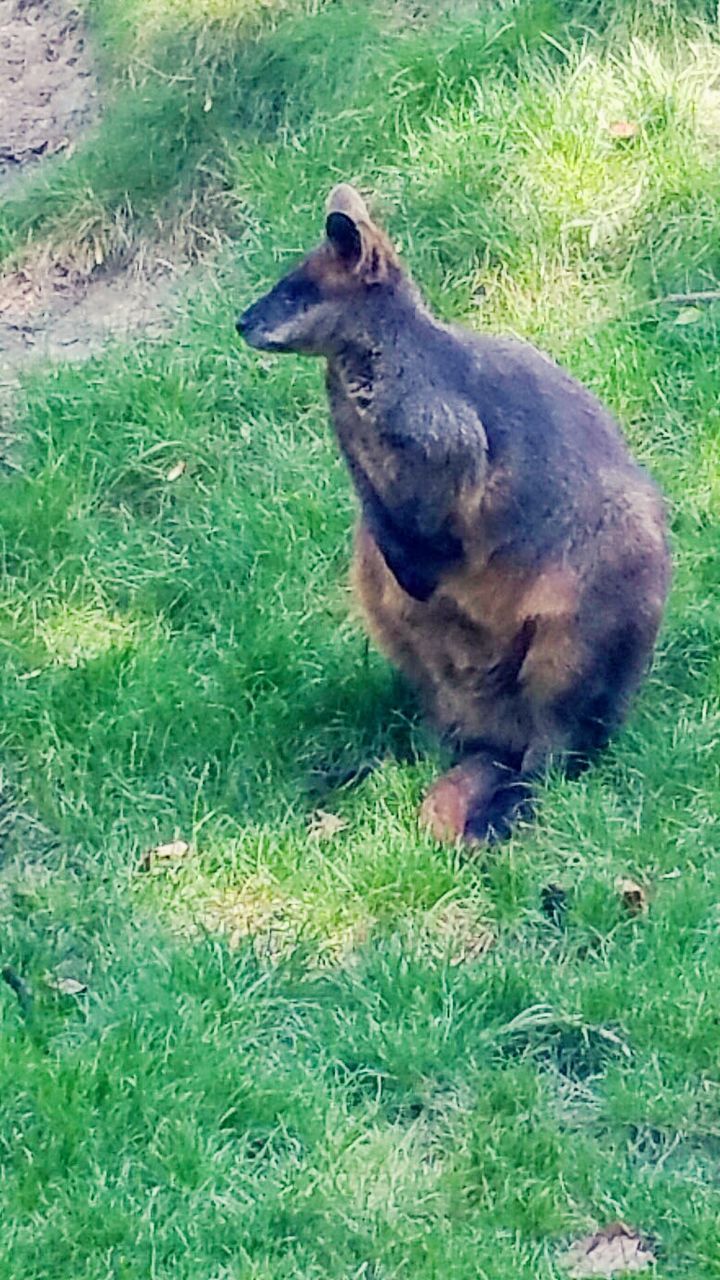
250 326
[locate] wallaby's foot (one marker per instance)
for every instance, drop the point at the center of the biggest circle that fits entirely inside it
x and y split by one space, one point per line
477 802
495 821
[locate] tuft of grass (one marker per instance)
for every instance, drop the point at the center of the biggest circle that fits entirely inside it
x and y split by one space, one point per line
357 1054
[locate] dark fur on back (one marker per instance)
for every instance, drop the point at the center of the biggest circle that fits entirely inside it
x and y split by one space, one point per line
511 556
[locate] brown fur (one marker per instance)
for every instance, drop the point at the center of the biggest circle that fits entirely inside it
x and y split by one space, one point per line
449 646
510 557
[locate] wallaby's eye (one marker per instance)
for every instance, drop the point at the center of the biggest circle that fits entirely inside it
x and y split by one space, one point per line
299 292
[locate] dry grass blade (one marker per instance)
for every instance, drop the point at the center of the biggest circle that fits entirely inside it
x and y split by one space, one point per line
324 826
166 854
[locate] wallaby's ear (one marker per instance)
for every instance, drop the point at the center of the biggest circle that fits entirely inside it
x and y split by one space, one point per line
347 214
358 242
345 199
344 236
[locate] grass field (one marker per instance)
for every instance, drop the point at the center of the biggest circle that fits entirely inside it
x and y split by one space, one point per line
351 1055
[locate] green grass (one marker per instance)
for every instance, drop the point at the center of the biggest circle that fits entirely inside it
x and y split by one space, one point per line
288 1062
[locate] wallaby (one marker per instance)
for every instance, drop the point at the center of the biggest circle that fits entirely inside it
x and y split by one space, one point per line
510 556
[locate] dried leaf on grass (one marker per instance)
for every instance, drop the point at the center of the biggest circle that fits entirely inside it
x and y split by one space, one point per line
688 315
176 472
623 129
323 826
634 897
615 1250
169 853
65 986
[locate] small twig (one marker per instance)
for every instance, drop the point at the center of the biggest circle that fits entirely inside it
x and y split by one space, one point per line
164 75
21 989
687 299
673 1146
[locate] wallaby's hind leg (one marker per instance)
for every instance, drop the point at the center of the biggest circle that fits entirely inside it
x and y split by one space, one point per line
481 799
574 726
477 801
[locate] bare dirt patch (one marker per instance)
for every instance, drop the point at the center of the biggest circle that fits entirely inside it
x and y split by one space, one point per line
52 311
51 306
47 87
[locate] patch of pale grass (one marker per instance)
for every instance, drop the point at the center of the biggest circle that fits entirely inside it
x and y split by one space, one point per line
72 635
546 299
273 920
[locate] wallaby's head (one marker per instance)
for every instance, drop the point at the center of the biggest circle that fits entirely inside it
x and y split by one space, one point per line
317 305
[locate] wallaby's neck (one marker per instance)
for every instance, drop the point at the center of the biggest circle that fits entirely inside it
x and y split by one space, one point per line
389 328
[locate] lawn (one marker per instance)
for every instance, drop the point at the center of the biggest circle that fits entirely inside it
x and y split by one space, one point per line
315 1049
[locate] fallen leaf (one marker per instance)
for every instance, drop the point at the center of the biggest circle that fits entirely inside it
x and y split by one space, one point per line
176 472
174 851
66 986
623 129
323 826
633 896
615 1250
688 315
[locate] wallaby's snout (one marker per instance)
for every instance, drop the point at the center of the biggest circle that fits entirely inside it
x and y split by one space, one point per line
251 328
252 325
242 323
286 318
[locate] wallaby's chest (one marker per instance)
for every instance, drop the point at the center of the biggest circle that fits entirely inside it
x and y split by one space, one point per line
353 393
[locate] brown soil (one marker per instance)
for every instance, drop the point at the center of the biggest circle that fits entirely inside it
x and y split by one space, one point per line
47 88
49 307
56 313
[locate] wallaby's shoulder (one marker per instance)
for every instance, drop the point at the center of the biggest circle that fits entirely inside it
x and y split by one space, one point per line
527 398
